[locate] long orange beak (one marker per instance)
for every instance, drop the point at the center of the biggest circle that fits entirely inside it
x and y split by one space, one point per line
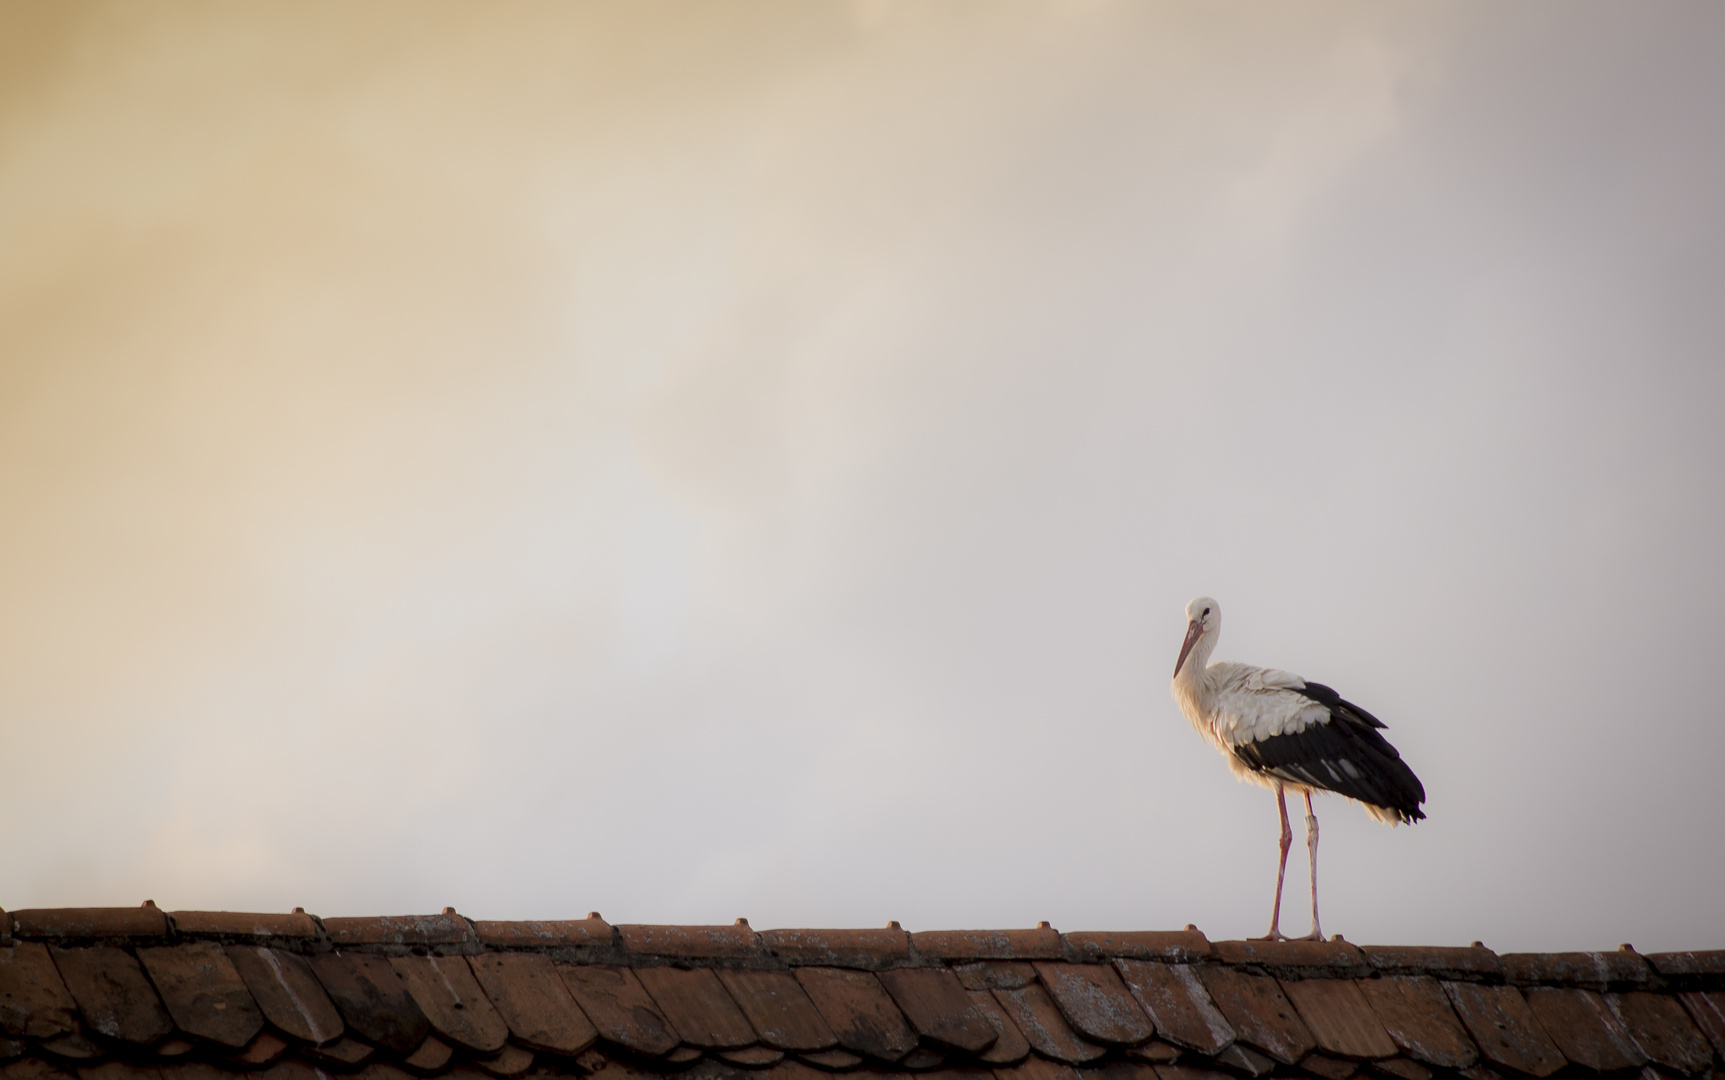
1194 631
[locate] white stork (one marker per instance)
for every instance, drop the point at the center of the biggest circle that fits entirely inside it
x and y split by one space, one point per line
1287 734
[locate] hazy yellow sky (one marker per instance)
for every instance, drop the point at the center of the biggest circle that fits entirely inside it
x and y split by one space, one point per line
706 459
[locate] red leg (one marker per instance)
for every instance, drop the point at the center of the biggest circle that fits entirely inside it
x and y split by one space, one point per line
1287 841
1317 933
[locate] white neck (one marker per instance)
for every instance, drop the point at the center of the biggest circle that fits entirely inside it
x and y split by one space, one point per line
1190 682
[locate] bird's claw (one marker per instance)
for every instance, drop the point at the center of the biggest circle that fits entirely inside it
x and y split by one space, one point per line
1274 935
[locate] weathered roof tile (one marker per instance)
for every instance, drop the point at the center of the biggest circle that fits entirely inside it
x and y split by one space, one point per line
289 994
1328 1068
446 929
753 1057
620 1008
533 1001
372 999
239 924
1042 943
203 992
1596 970
1257 1010
88 923
34 1002
690 941
1036 1068
1035 1014
1118 1070
447 993
695 1002
113 994
995 974
591 931
1688 963
433 1054
1176 945
1707 1009
1291 954
1658 1024
839 948
344 1051
264 1048
1584 1029
509 1062
1444 962
1096 1002
938 1007
1176 1001
1189 1072
1010 1046
1401 1068
1418 1017
779 1009
860 1012
1336 1014
1504 1028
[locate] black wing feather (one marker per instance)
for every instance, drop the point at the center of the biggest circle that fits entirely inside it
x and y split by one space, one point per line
1344 754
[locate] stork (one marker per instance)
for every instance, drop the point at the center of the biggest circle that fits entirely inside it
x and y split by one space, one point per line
1281 732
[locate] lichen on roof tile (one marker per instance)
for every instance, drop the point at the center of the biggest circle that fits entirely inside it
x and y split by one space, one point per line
704 942
1042 943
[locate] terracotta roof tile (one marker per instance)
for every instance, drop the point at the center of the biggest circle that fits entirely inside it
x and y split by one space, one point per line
85 923
1584 1029
833 1060
1401 1068
1659 1025
533 1001
839 948
1189 1072
1035 1014
779 1009
1444 962
1042 943
1010 1047
34 1002
372 999
695 1002
691 941
203 992
290 1070
753 1057
1595 970
263 1049
1156 1052
1259 1013
244 924
1707 1009
118 1070
509 1062
1291 954
1243 1059
545 932
73 1048
938 1007
113 994
1118 1070
1328 1068
289 994
433 1054
447 993
344 1051
1178 1004
1418 1017
792 1069
1503 1027
1336 1014
1688 963
1038 1069
32 1069
382 1070
446 929
859 1011
922 1059
620 1008
995 974
1096 1002
1177 945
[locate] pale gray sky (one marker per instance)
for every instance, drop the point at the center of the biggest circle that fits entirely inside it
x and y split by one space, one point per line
699 460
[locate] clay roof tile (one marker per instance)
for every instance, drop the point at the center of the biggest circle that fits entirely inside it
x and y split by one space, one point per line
1291 954
839 948
1673 964
1034 1013
445 929
620 1008
1418 1017
533 1000
239 924
939 1008
1042 943
693 942
1337 1015
289 994
447 993
372 999
696 1003
113 993
591 931
1584 1029
1176 1001
34 1001
1707 1009
147 922
779 1010
204 992
1444 962
861 1014
1658 1024
1259 1012
1596 970
1504 1028
1182 946
1096 1002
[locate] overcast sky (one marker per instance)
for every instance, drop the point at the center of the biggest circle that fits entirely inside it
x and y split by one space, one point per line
699 460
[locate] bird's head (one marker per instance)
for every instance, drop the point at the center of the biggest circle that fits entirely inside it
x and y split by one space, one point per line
1203 617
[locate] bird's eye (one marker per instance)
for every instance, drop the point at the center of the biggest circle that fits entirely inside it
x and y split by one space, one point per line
1206 611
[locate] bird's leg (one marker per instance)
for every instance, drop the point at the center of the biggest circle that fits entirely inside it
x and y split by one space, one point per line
1317 933
1287 841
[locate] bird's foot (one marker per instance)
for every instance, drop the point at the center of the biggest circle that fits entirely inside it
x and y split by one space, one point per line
1315 935
1273 935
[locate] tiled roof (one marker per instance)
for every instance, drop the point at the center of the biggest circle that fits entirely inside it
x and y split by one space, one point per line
118 993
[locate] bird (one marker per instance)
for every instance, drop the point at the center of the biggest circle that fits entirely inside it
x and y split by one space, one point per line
1284 733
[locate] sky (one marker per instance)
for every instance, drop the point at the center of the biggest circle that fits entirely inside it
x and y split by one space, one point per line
700 460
